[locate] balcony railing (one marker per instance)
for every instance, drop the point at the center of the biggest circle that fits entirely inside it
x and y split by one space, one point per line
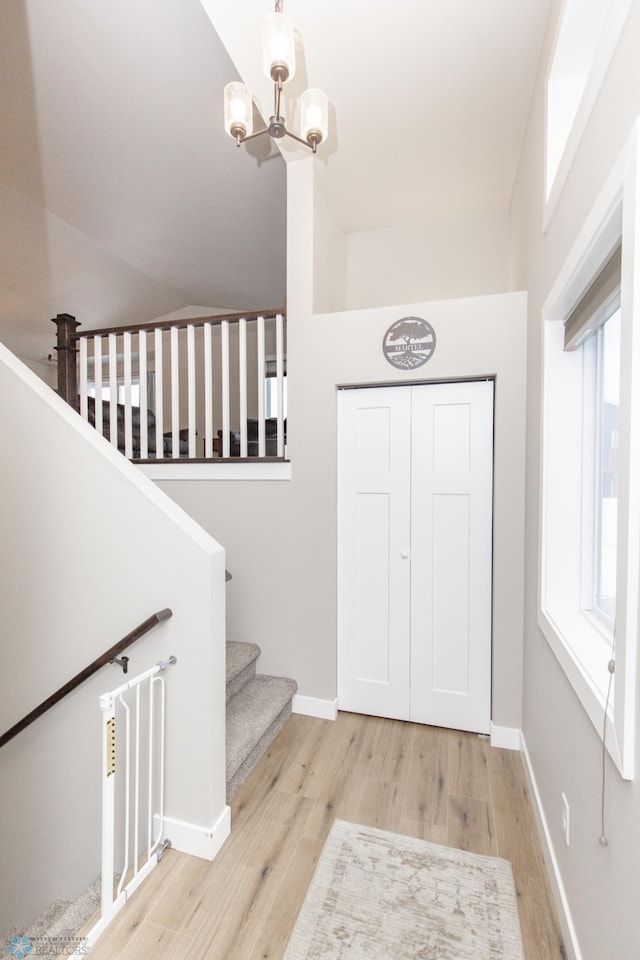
197 389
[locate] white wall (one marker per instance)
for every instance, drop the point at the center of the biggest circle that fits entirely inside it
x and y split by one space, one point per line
281 535
600 884
90 549
438 260
330 257
435 260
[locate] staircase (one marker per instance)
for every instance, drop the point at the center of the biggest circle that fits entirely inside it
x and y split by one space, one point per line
257 708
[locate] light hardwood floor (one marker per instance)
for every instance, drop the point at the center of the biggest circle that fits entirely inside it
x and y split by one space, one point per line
441 785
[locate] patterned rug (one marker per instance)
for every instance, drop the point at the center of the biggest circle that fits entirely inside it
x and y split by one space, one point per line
382 896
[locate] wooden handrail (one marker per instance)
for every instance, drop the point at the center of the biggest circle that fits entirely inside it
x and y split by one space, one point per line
79 678
180 324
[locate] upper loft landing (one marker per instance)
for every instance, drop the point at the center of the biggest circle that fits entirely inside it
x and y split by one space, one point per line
202 390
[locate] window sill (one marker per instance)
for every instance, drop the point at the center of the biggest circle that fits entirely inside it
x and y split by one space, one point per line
584 654
592 693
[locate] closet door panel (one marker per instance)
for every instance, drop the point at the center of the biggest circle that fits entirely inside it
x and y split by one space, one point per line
374 455
452 489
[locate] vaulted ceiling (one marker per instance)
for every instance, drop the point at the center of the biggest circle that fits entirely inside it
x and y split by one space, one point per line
428 100
121 197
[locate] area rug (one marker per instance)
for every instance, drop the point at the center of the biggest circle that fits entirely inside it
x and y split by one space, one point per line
381 896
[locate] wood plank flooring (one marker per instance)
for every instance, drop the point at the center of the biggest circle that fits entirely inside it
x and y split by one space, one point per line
441 785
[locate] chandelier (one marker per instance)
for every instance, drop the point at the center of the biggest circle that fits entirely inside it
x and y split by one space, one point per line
278 55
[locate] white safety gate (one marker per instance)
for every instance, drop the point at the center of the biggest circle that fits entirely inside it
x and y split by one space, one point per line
133 748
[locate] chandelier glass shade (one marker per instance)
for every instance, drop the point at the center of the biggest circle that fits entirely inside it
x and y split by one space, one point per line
238 110
278 48
279 61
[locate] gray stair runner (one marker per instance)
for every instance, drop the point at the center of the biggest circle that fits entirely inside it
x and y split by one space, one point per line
257 708
61 920
241 665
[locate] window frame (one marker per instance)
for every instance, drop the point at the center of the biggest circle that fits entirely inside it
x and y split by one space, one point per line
595 71
599 436
590 485
615 219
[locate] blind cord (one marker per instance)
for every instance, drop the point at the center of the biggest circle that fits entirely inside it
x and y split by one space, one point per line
611 666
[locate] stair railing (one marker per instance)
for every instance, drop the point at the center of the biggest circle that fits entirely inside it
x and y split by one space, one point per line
140 384
109 656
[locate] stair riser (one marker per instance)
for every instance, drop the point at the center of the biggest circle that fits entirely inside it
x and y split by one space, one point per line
238 682
257 708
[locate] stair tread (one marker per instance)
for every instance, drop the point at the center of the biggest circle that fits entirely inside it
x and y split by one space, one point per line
251 712
239 657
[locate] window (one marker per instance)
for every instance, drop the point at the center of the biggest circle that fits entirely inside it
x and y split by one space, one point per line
271 388
589 557
271 396
582 381
106 391
606 438
587 34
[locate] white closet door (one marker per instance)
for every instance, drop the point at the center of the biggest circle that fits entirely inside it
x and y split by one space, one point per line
374 502
451 532
414 553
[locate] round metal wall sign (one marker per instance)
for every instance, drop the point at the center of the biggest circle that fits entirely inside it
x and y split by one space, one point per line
408 343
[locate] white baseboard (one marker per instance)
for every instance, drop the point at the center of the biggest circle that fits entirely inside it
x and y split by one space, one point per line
562 904
198 841
506 737
313 707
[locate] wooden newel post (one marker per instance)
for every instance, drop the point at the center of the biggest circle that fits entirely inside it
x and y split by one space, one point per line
67 366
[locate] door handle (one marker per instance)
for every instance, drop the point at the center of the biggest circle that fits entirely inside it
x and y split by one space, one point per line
404 554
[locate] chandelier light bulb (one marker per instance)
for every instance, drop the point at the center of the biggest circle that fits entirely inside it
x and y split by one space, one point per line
278 47
238 110
314 114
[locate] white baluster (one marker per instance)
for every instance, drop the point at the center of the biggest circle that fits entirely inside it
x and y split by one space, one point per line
175 394
128 429
261 370
242 384
191 388
84 406
97 379
142 377
113 389
224 360
208 393
280 380
159 395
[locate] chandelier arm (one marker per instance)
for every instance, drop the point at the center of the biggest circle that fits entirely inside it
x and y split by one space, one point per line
252 136
305 143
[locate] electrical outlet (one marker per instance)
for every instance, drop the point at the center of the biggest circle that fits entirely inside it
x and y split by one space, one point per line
565 819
